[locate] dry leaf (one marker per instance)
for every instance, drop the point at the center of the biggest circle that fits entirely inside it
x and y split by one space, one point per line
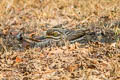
48 71
37 49
5 31
42 55
18 59
71 68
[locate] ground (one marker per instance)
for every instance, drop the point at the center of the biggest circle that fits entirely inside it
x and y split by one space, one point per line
94 61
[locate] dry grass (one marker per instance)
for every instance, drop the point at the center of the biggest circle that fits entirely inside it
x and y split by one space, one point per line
98 61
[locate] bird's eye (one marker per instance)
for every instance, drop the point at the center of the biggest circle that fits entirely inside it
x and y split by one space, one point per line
56 34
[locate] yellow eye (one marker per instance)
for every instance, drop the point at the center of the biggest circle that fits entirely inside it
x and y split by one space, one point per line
55 34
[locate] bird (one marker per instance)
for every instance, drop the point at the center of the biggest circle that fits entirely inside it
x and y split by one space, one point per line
60 36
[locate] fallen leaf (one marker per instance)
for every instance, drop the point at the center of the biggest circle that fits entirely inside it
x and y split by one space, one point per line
42 55
37 49
5 31
71 68
18 59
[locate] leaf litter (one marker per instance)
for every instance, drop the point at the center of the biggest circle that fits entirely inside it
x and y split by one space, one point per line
97 59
